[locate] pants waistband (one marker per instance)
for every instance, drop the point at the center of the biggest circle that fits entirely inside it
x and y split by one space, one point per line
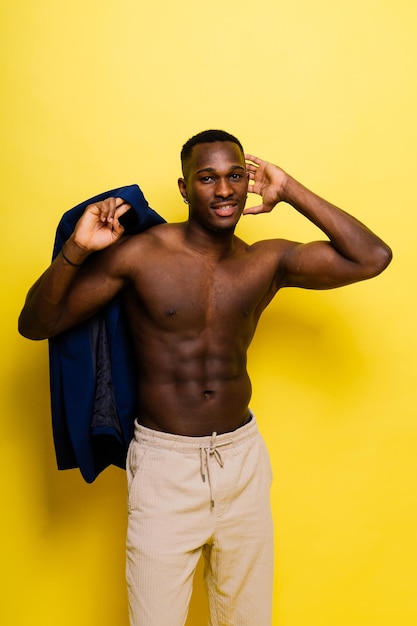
186 444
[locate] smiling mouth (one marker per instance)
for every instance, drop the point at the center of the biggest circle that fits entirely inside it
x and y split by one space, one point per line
224 210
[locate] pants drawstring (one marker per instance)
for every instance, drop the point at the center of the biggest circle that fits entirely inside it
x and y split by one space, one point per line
206 453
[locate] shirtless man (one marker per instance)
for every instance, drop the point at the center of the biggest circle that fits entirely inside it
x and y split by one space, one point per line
199 476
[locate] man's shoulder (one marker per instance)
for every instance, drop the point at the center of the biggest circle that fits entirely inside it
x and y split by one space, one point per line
160 233
149 241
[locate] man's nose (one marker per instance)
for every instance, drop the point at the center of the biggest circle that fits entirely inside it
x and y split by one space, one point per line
223 188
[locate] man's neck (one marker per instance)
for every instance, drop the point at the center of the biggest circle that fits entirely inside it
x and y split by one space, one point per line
210 243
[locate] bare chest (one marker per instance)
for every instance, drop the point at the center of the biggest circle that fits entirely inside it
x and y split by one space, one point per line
179 292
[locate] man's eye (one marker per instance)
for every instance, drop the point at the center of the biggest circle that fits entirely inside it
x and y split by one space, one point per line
207 179
236 176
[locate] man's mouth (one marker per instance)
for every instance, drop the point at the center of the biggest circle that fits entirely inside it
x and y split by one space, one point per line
224 210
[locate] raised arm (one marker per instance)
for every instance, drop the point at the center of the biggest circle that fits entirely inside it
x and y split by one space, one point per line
69 291
353 252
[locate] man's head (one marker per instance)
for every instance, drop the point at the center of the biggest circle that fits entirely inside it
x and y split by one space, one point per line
215 182
206 136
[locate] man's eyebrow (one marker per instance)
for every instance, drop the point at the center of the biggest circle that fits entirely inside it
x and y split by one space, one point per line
213 169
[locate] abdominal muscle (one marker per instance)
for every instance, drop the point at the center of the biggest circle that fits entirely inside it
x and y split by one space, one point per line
191 410
192 387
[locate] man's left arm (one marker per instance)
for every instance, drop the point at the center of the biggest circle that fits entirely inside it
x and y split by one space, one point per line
353 252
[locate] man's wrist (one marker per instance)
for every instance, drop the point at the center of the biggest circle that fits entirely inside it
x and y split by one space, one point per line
285 188
73 254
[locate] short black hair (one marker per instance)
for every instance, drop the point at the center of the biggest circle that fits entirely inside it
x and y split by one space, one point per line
206 136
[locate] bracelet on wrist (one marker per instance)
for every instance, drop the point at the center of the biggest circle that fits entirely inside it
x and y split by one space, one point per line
67 259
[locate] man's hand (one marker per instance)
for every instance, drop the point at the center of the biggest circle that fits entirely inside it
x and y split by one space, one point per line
267 180
99 226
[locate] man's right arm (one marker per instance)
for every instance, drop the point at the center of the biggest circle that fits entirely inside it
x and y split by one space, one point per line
69 292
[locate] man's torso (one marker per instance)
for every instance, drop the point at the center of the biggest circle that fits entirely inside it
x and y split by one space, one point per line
192 318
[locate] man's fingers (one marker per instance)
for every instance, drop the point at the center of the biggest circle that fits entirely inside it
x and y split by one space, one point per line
122 208
253 158
114 207
254 210
110 208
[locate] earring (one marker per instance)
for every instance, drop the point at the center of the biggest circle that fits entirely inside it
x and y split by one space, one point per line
185 200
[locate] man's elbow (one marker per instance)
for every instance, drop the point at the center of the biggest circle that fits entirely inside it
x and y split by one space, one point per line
28 329
379 261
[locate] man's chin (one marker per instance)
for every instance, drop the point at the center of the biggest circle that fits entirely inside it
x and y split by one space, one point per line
223 229
227 226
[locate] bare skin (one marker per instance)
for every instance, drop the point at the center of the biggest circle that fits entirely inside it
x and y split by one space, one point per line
193 291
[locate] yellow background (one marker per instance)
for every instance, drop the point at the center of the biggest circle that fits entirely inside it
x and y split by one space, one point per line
101 94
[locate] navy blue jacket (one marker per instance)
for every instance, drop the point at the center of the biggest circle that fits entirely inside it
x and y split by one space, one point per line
92 370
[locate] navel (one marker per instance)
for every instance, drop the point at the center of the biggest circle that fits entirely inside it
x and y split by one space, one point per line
170 312
208 393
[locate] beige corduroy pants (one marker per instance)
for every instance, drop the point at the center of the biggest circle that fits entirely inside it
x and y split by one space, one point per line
193 495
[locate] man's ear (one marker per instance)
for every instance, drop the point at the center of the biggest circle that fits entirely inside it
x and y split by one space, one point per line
183 189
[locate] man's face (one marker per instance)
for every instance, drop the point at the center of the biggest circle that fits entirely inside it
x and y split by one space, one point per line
216 185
